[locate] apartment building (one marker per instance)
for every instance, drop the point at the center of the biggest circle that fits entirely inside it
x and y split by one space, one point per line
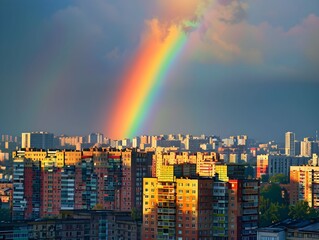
177 209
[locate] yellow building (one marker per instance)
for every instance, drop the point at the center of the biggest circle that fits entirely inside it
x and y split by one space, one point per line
61 157
205 162
177 209
221 170
304 182
35 155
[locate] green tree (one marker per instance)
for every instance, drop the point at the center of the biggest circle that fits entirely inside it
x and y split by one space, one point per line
273 192
271 212
272 206
301 210
278 178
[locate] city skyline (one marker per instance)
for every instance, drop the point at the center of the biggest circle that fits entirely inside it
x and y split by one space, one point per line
42 138
245 67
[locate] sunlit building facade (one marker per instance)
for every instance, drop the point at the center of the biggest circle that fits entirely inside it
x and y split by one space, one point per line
243 208
95 178
178 209
290 144
304 182
26 184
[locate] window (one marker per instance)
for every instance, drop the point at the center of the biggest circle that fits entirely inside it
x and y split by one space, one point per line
268 238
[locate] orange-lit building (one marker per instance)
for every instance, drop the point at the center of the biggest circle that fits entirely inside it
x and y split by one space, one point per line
50 203
71 157
102 178
177 209
62 157
243 209
26 185
304 185
205 162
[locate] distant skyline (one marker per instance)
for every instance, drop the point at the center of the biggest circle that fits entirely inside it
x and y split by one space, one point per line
281 140
247 67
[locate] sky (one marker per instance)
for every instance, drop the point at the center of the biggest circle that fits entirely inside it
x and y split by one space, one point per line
246 67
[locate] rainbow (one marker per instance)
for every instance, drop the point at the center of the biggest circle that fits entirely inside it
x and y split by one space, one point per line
142 82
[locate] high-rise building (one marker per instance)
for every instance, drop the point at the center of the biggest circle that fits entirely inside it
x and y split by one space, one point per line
39 140
50 189
297 148
270 165
205 162
62 157
220 210
224 172
243 209
120 177
136 142
69 180
74 141
25 140
308 147
67 188
166 143
193 144
304 185
290 144
177 209
94 138
26 185
86 190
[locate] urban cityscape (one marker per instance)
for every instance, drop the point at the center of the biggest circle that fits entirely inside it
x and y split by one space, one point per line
158 187
170 120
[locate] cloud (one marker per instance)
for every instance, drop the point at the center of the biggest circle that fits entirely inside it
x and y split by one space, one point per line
204 21
113 55
307 34
262 44
188 13
232 11
219 32
178 11
100 23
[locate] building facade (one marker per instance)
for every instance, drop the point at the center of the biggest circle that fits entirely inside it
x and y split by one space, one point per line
270 165
304 185
39 140
243 208
26 189
290 144
93 179
177 209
